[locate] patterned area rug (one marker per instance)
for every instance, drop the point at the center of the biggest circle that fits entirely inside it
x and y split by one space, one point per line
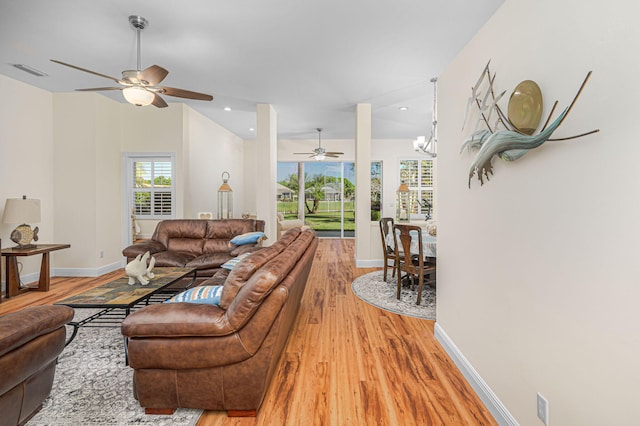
372 289
93 386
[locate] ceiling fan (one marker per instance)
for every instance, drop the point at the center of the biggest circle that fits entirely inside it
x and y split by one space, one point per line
140 87
320 153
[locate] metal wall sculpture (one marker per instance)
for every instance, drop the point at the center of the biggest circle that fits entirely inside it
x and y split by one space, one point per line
509 137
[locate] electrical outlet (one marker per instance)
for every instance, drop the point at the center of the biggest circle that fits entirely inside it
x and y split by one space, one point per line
543 409
101 254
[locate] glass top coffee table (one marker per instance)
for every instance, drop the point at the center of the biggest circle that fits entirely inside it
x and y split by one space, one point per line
117 298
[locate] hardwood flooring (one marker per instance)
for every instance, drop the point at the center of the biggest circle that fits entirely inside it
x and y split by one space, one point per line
346 362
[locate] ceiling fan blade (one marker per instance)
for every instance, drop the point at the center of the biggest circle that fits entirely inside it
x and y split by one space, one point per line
304 153
96 89
86 70
159 102
182 93
153 75
331 155
334 153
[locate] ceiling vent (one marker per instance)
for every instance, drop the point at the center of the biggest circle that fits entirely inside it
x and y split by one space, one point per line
30 70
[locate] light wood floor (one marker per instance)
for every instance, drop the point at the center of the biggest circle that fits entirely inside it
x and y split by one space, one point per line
346 362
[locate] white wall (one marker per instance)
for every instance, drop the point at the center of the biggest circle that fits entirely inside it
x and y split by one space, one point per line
26 148
86 176
212 151
537 284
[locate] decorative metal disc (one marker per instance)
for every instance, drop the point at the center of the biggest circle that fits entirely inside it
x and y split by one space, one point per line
525 107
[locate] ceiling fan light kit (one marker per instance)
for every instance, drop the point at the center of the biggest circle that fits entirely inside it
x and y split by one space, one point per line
138 96
140 87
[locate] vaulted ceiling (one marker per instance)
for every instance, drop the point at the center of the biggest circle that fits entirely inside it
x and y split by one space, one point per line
312 60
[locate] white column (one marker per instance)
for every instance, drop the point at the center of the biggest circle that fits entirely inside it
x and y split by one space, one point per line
363 183
301 211
266 174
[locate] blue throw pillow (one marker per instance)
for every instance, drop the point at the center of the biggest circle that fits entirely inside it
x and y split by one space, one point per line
208 294
231 263
248 238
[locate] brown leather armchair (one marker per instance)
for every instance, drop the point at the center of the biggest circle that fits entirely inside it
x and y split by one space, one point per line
30 342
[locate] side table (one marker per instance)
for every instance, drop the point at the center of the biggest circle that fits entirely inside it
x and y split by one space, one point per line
11 267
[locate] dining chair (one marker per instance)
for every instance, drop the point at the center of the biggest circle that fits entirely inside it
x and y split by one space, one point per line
390 254
413 264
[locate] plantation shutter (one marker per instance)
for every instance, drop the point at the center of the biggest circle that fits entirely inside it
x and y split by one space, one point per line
418 175
153 188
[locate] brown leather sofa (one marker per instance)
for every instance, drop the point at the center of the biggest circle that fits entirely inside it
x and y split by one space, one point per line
30 342
222 357
202 244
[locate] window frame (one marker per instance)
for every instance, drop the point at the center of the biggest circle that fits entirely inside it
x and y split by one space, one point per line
418 187
152 158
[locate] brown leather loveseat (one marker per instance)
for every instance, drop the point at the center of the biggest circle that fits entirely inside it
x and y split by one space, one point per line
222 357
30 342
202 244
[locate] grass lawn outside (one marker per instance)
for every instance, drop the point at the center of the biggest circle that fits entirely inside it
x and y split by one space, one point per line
327 218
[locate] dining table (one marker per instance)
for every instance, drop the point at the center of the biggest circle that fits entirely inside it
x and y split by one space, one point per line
428 243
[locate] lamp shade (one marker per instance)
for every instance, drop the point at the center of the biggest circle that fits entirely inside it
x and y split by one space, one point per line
21 210
138 96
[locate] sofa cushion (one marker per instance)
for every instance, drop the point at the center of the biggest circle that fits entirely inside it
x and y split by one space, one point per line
208 260
173 258
244 270
231 263
186 229
247 238
225 229
216 245
209 295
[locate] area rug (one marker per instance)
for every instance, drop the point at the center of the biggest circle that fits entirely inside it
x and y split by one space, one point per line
372 289
93 386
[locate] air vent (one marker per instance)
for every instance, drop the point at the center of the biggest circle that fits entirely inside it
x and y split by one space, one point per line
30 70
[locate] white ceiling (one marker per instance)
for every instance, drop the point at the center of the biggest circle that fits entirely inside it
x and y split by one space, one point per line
312 60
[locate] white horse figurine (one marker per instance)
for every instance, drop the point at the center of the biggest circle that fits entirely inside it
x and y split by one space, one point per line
137 269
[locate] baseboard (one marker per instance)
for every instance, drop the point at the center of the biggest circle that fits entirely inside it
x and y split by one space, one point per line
482 389
71 272
374 263
85 272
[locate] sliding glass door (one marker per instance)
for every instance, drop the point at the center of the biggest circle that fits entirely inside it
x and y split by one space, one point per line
324 197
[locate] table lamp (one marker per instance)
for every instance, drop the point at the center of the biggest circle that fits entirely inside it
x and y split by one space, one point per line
22 210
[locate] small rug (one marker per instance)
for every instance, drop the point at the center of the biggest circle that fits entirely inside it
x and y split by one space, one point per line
372 289
93 386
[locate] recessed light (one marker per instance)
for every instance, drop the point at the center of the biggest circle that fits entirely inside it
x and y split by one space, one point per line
251 129
403 108
227 108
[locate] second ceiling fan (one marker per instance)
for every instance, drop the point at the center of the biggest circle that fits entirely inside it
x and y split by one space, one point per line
320 153
140 87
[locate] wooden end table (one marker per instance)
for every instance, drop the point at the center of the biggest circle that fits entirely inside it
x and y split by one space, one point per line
11 264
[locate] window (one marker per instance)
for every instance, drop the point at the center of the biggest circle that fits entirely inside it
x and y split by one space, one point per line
418 175
152 186
376 190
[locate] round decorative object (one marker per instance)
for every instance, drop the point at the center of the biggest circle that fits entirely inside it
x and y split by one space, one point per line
525 107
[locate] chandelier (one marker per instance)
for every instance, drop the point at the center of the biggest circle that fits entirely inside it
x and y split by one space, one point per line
421 144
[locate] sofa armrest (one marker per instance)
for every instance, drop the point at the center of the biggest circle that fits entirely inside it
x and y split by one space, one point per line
142 247
177 320
20 327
